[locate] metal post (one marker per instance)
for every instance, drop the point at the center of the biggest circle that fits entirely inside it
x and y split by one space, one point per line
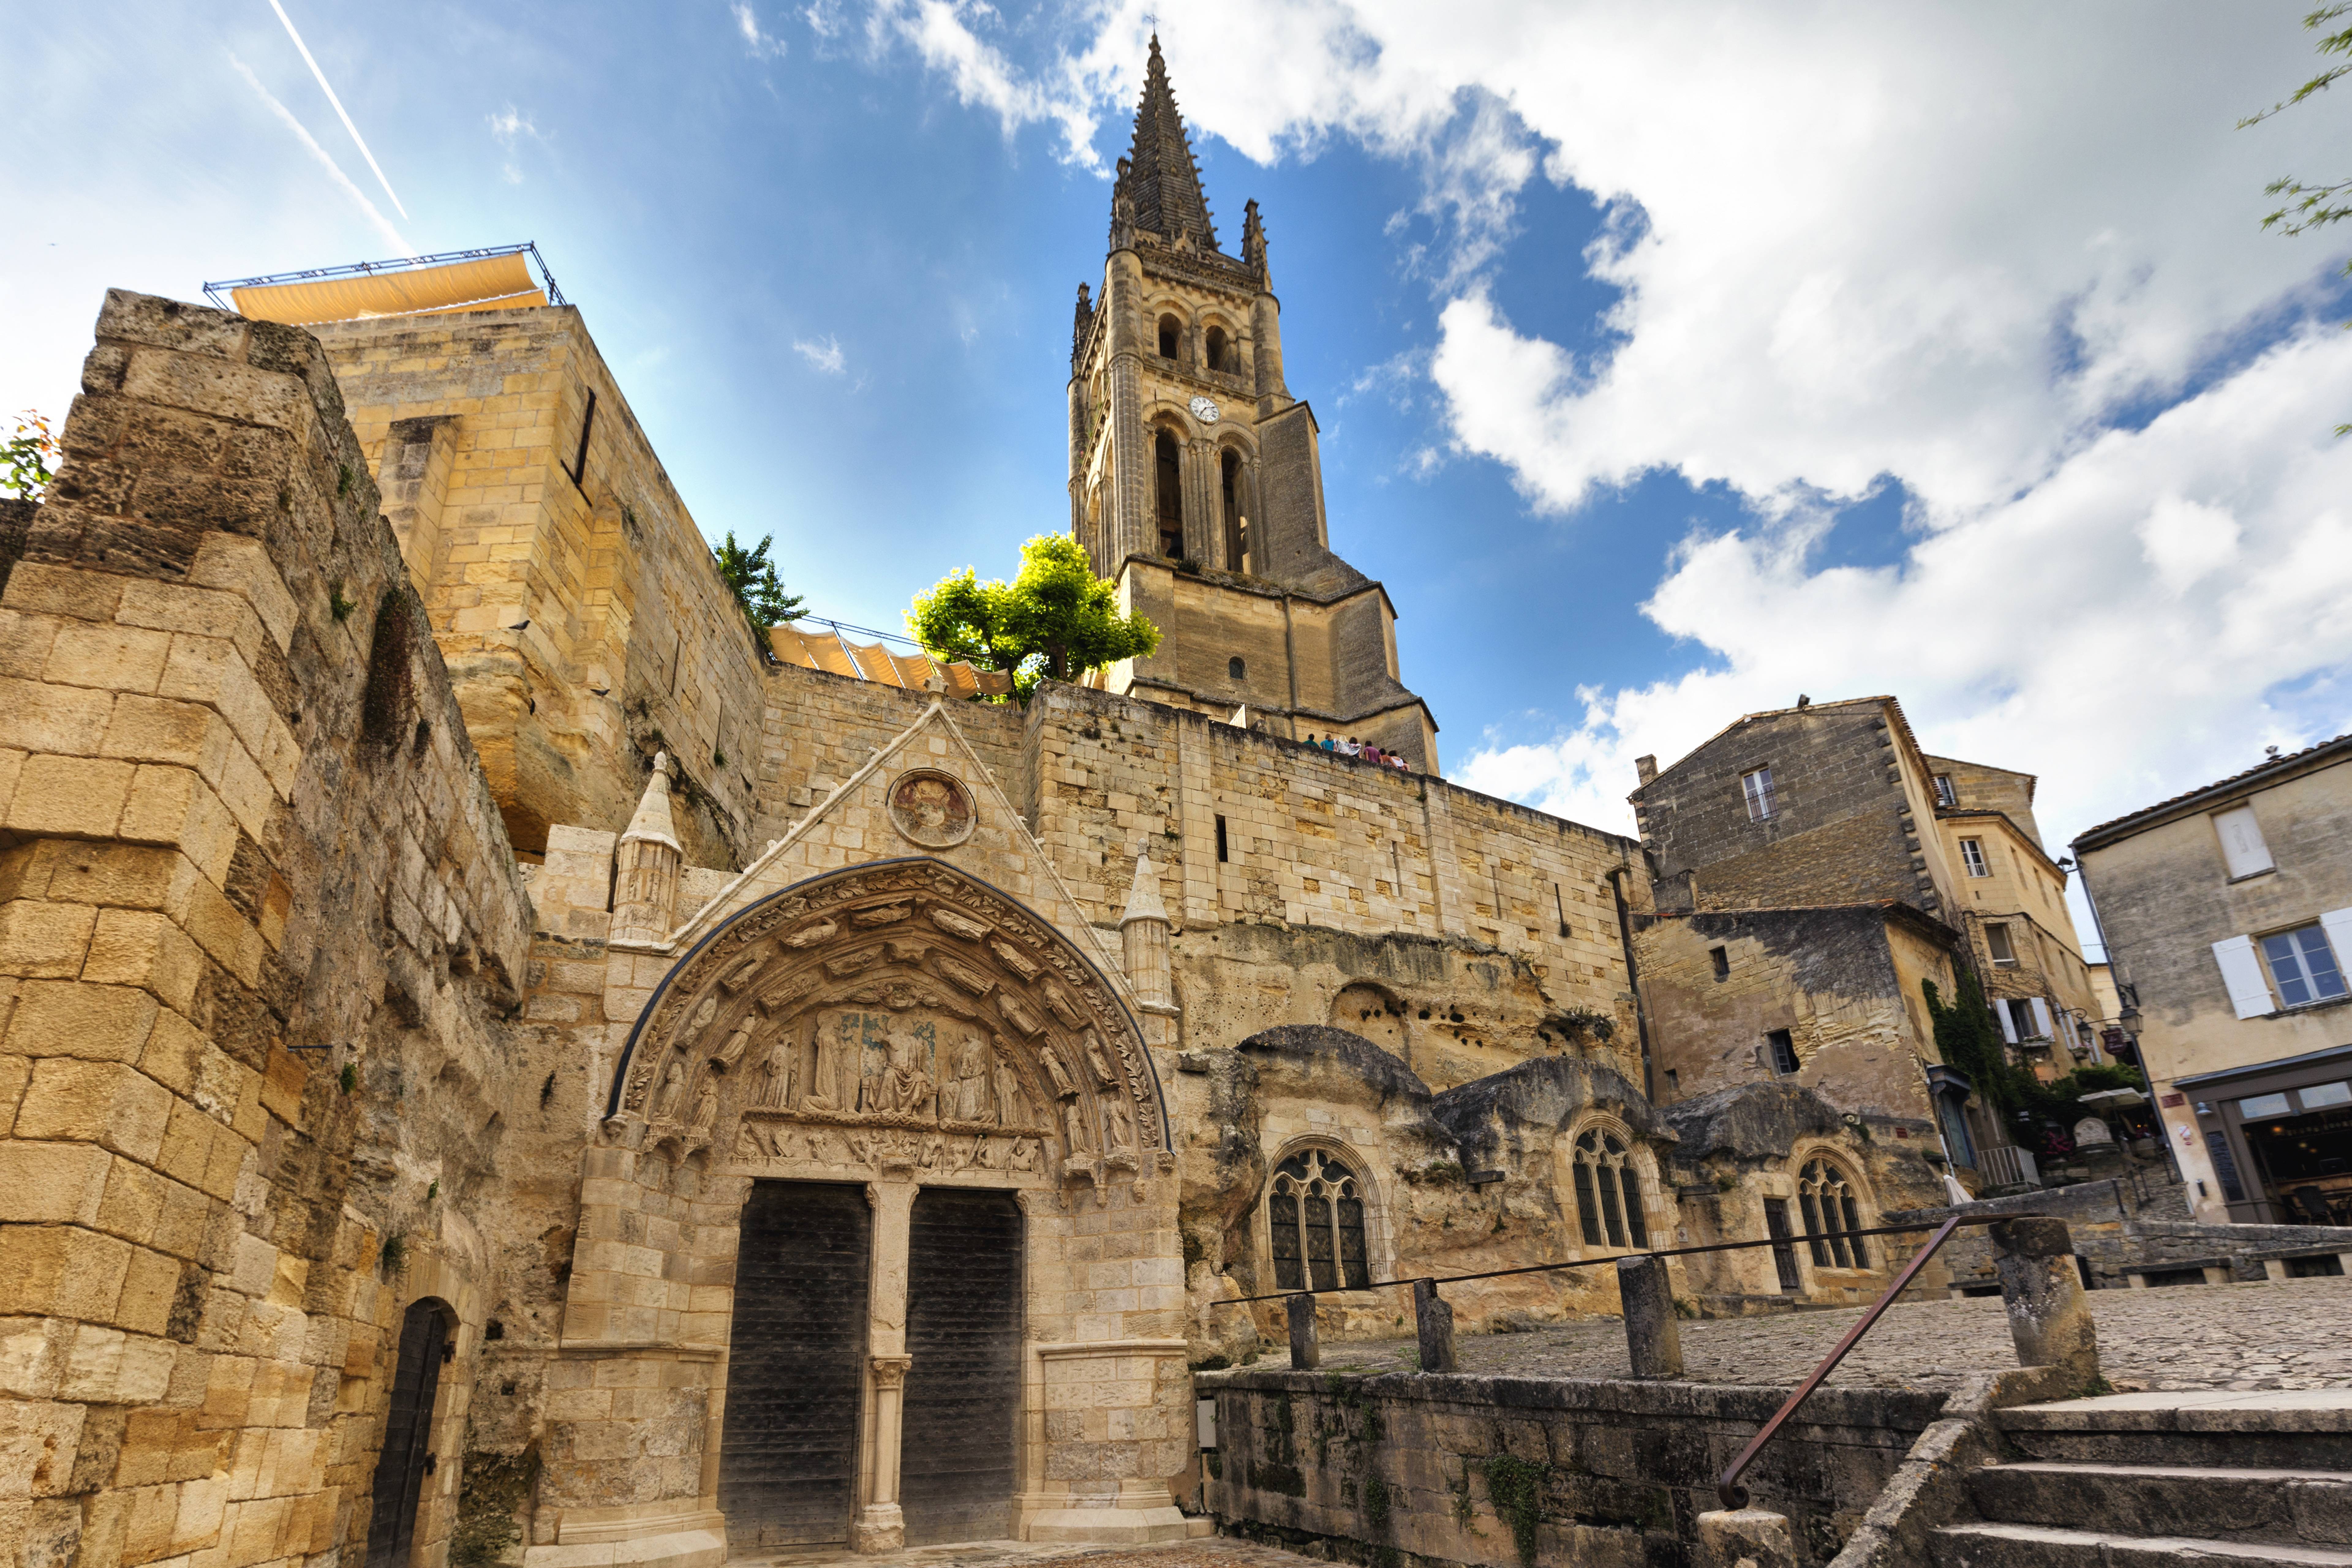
1653 1338
1433 1322
1306 1352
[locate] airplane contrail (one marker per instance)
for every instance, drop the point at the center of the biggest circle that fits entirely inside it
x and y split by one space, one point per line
338 103
382 223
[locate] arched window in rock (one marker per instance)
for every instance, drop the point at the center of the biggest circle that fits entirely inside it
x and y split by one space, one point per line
1315 1212
1608 1192
1170 476
1825 1197
1172 333
1216 349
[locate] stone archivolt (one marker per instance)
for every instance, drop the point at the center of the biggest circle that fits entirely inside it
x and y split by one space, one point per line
897 1017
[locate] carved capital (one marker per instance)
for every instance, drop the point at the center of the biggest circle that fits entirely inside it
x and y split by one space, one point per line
890 1371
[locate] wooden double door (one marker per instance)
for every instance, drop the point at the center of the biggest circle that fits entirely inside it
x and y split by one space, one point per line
806 1274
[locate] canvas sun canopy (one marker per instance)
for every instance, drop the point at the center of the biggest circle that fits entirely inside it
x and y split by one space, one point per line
821 647
491 283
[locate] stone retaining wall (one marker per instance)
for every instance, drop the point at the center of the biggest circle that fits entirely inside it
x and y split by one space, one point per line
1461 1470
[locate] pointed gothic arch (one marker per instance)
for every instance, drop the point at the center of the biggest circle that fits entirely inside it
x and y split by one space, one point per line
894 1015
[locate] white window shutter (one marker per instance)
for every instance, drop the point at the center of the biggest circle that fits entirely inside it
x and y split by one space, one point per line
2041 1018
2337 923
2242 971
2008 1025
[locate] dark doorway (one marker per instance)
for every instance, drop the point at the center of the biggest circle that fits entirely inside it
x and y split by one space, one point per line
1784 1250
963 1392
406 1458
795 1366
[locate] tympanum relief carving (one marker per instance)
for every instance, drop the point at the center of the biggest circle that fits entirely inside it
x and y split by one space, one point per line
901 1018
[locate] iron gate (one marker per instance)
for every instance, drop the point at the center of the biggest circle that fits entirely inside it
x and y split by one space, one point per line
795 1366
963 1391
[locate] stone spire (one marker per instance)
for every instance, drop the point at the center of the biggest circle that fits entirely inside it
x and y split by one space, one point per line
644 894
1159 177
1143 932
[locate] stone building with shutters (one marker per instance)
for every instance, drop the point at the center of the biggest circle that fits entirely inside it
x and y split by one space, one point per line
496 1066
2228 916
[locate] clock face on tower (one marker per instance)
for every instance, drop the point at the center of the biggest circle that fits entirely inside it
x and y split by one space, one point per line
1205 410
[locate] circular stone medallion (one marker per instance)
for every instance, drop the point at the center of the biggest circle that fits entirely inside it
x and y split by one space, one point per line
932 808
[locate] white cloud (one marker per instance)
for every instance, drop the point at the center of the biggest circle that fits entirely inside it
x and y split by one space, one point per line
382 224
760 46
825 353
1966 249
511 127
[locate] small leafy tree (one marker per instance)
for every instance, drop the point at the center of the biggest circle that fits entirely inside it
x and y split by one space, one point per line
2313 207
1055 620
759 591
26 461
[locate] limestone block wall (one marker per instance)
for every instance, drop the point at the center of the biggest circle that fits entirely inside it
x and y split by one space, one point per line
1511 1471
1314 844
629 640
259 920
1842 982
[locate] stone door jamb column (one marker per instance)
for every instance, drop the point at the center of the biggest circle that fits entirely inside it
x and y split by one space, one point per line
880 1525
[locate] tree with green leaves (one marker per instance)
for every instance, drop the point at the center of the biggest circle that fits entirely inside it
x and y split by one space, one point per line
28 458
1055 620
2313 207
758 590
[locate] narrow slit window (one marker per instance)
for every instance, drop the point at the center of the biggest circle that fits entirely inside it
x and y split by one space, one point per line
1220 838
1720 958
579 469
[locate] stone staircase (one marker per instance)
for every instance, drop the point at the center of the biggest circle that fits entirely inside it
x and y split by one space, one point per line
2139 1480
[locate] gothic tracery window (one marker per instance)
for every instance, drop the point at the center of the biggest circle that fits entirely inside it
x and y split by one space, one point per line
1826 1198
1608 1192
1315 1210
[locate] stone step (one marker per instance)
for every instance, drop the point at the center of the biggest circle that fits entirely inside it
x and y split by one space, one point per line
2043 1546
2310 1429
2296 1507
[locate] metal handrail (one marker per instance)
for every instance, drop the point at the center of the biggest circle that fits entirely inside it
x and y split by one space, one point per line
1727 1489
1789 1241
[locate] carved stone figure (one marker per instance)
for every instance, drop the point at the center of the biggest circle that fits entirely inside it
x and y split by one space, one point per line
777 1074
968 1095
1119 1121
825 1149
1024 1155
1012 1105
1063 1087
1096 1059
829 1085
732 1051
706 1107
749 1145
935 1153
810 935
903 1085
703 1015
672 1090
1074 1129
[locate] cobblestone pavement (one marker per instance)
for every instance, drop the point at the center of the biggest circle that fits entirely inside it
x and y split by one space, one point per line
2293 1333
1211 1551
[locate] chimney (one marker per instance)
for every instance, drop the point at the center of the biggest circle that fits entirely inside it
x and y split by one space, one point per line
1647 767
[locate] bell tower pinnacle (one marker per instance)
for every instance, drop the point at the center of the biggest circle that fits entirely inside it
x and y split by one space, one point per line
1195 479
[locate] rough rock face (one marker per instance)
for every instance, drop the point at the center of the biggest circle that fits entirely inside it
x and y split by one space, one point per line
1751 1121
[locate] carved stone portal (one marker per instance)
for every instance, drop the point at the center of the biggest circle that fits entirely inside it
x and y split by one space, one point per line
803 1033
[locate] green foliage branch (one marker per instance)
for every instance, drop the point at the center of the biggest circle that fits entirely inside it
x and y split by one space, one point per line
2312 206
28 458
1055 620
1969 1038
751 576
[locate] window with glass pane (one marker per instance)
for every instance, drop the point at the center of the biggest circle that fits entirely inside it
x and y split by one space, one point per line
1608 1192
2303 966
1944 793
1825 1197
1997 944
1758 787
1315 1215
1972 855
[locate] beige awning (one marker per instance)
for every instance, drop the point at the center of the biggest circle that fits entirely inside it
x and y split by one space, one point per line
492 283
820 647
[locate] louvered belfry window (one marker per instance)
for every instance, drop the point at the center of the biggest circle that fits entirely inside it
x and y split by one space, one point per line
1608 1192
1315 1210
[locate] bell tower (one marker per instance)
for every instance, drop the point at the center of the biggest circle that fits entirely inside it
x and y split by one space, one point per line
1195 480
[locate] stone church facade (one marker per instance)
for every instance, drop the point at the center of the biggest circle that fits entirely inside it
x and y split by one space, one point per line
494 1070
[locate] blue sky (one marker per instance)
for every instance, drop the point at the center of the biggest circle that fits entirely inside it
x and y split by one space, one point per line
1669 363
